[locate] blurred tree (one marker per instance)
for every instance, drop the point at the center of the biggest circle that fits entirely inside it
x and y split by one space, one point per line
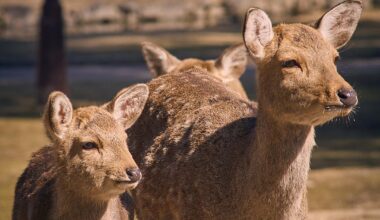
52 65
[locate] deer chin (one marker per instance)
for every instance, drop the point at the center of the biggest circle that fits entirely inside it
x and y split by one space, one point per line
317 114
326 113
109 192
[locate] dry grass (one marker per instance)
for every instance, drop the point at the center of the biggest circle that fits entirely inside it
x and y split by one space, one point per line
19 138
345 214
344 188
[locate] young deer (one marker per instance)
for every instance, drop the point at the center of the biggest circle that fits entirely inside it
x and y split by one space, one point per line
87 169
210 155
228 67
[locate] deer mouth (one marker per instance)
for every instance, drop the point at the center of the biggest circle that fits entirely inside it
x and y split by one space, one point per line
339 110
126 183
122 181
337 107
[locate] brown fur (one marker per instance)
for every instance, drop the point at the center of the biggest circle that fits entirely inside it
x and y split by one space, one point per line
208 154
228 67
66 181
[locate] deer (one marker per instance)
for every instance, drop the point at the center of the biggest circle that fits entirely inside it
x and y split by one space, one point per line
228 67
87 170
210 155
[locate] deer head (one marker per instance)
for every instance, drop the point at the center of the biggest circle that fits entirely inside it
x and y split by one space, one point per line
228 67
298 80
91 141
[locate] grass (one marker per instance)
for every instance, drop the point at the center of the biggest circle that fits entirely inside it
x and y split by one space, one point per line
19 138
345 193
344 188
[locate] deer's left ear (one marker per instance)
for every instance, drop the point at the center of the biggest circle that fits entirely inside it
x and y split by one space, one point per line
233 61
338 25
128 104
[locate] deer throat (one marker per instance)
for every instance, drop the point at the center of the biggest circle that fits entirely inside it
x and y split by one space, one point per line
278 166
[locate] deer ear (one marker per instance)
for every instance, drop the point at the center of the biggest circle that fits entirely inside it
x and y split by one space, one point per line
58 115
257 32
159 60
338 25
128 104
233 61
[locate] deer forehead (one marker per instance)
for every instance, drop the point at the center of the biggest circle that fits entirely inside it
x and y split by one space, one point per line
303 40
98 121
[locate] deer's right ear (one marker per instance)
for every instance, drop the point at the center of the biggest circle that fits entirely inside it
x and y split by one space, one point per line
128 104
159 60
257 32
58 115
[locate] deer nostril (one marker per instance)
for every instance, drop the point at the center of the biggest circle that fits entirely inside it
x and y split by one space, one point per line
134 174
347 97
342 94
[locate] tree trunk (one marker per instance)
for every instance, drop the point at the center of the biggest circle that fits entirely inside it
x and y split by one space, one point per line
52 66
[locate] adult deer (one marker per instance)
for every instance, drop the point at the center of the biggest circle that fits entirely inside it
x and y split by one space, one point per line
210 155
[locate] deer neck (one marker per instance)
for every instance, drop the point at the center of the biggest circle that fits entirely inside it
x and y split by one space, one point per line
70 204
278 166
282 144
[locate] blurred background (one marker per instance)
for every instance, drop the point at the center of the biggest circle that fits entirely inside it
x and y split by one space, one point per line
90 49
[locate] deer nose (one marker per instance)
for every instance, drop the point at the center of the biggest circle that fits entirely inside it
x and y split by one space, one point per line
348 97
134 174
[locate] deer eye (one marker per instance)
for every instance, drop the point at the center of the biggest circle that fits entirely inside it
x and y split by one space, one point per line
289 64
89 145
